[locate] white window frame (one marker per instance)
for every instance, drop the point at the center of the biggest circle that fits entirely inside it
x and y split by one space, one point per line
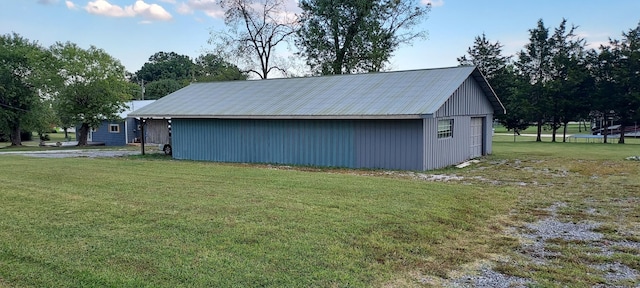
111 126
445 128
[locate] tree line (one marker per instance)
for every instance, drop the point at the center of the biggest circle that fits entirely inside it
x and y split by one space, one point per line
555 79
67 85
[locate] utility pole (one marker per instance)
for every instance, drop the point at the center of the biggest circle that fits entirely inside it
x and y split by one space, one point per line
142 89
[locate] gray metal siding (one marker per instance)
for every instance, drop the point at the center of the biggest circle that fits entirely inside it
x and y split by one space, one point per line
488 134
303 142
440 153
389 144
468 99
385 144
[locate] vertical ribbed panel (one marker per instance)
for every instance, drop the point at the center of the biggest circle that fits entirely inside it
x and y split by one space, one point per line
469 99
488 134
444 152
390 144
466 102
299 142
441 153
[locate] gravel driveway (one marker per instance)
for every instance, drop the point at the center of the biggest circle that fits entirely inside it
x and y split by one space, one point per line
73 153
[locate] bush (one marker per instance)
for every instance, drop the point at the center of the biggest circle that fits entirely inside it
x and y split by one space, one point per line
45 137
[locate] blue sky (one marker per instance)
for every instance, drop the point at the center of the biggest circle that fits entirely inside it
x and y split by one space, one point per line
133 30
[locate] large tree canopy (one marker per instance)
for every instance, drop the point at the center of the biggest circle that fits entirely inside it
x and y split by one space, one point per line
487 57
166 65
167 72
617 70
211 67
570 83
26 72
94 86
255 29
345 36
554 67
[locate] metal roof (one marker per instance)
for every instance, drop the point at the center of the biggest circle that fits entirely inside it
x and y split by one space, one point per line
133 106
397 95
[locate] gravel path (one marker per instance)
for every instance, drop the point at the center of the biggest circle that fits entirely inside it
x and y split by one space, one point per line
73 153
535 237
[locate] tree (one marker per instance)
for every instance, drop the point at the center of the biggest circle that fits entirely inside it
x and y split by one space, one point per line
160 88
575 89
623 59
568 77
487 57
170 70
210 67
163 65
534 64
344 36
25 75
94 87
255 29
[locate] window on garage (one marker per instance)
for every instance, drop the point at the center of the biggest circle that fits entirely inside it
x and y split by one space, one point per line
445 128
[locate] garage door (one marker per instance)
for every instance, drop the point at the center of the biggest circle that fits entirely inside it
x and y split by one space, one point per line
476 137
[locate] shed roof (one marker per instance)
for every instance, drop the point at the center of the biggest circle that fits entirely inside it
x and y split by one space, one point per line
397 95
133 106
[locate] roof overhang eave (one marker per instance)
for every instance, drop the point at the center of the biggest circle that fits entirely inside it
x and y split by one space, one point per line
287 117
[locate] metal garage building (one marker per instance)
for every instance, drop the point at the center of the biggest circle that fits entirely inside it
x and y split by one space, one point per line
406 120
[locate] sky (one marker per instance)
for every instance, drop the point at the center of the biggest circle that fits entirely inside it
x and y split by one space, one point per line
133 30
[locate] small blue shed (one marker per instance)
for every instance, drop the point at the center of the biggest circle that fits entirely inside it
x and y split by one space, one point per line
405 120
121 132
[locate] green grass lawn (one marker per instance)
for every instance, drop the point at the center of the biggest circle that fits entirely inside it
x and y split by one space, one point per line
155 222
35 141
137 222
572 128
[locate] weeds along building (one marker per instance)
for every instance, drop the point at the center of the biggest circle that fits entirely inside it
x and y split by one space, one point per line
405 120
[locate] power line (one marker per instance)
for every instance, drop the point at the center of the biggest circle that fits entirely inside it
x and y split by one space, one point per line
11 107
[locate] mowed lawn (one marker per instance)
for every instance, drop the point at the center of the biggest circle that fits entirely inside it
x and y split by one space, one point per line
135 221
155 222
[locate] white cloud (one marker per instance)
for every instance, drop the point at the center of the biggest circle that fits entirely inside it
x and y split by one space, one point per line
150 11
47 2
169 1
212 9
183 8
102 7
140 8
70 5
434 3
209 7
